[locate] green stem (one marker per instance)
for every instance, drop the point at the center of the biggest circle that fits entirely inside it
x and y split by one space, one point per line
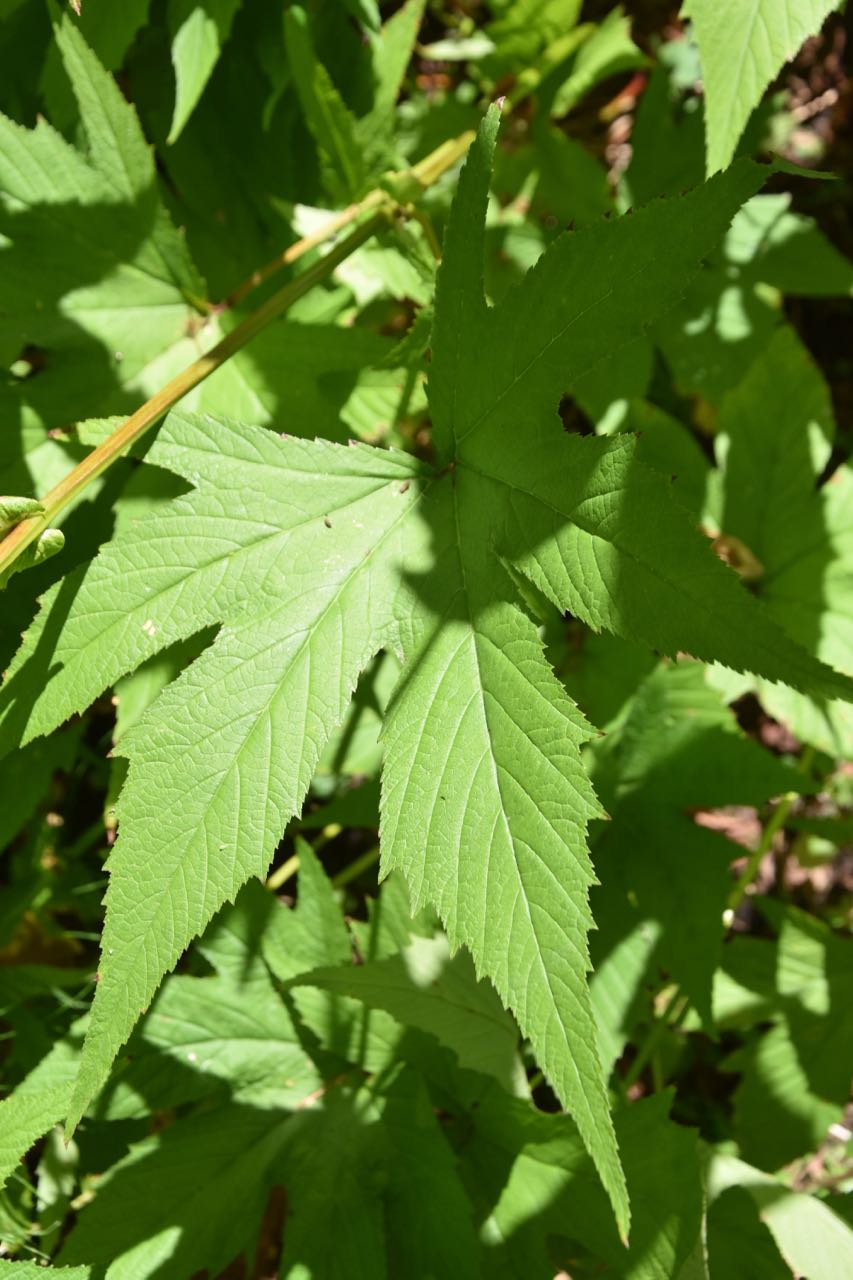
672 1014
289 868
355 868
777 821
295 251
419 177
381 203
677 1005
282 874
445 156
141 421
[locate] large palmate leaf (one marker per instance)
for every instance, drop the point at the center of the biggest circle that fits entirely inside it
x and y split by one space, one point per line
313 557
742 47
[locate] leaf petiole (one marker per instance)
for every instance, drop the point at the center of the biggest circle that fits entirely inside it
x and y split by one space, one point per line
420 176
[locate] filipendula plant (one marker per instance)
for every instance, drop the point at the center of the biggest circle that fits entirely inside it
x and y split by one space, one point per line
312 557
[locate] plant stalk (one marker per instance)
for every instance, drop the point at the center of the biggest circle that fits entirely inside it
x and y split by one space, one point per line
295 251
671 1015
421 175
775 824
677 1005
143 418
383 204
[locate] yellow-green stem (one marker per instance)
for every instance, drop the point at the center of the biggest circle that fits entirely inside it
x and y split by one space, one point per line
295 251
678 1004
355 868
282 874
777 821
153 410
672 1014
421 175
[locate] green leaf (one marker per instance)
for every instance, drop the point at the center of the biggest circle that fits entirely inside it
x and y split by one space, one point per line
364 11
198 30
310 935
619 966
352 1215
96 281
35 1271
109 29
20 982
811 1238
26 778
478 724
787 250
525 29
533 1184
740 1247
422 986
326 113
678 750
794 1081
770 500
287 656
666 445
608 52
312 557
361 492
203 1032
778 1116
116 146
712 340
745 984
814 982
15 509
153 1214
26 1118
429 1218
741 52
56 1183
38 1103
392 53
668 133
560 179
801 534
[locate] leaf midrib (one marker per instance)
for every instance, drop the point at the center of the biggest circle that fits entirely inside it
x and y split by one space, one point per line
557 336
686 587
260 719
212 613
553 1013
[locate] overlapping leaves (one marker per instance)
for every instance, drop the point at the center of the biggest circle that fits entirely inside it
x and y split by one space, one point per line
313 557
742 48
96 281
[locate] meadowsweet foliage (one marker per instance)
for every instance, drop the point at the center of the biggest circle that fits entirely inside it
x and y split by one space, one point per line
409 643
